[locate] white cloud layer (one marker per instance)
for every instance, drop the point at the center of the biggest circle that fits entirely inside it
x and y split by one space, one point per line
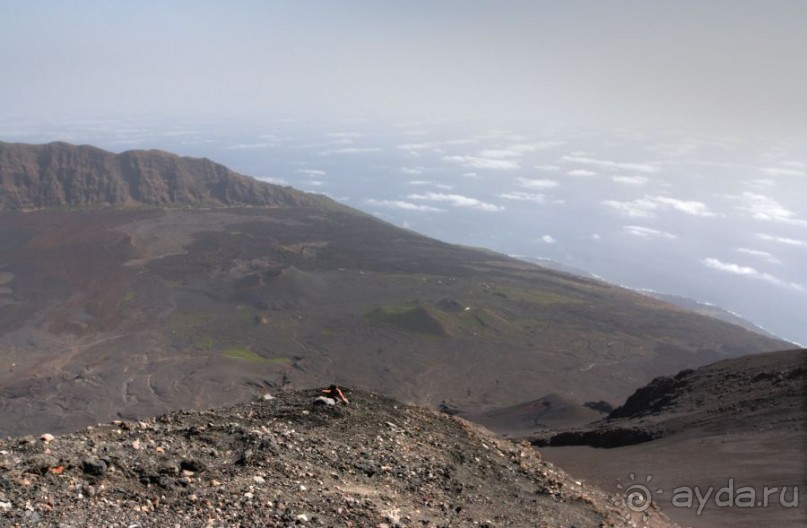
631 180
432 183
765 255
763 207
612 165
343 135
524 196
249 146
435 145
311 172
640 208
779 171
581 173
401 204
427 145
519 150
689 207
349 150
647 206
478 162
783 240
647 232
457 200
538 183
747 271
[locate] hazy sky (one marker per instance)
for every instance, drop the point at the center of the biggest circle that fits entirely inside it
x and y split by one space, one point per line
723 66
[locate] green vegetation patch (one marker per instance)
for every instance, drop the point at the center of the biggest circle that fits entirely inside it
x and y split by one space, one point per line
280 360
243 353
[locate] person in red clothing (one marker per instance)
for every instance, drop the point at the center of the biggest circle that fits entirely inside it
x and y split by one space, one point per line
336 393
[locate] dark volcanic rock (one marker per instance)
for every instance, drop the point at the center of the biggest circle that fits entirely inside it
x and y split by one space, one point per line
756 393
760 386
94 467
190 464
611 437
600 406
652 398
374 463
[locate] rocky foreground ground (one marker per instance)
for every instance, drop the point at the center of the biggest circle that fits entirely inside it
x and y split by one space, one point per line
285 461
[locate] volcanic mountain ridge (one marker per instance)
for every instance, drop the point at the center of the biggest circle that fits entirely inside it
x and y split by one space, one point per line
142 282
60 175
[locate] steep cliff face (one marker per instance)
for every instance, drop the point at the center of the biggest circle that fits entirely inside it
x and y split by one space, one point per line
63 175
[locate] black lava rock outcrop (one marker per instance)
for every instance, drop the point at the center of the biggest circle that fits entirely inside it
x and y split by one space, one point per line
755 393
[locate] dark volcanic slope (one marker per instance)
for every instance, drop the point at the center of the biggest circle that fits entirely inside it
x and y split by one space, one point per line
756 393
286 462
550 412
63 175
109 312
740 421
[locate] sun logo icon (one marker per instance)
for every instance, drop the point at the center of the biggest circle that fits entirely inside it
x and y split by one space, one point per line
638 496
